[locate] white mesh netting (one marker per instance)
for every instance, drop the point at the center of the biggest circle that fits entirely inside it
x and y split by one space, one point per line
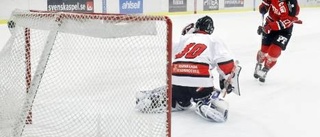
82 72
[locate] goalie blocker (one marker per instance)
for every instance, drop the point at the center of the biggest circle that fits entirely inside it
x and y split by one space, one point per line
230 83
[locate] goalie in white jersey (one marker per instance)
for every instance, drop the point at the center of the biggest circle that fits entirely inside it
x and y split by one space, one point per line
194 57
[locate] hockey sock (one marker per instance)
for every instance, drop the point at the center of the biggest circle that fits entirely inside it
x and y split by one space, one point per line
273 53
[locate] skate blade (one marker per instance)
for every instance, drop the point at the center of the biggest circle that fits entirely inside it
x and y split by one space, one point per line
256 71
262 80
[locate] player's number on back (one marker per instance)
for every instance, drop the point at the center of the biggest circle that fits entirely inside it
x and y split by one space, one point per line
191 51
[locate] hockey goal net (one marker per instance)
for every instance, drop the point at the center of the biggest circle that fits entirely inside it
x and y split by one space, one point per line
76 74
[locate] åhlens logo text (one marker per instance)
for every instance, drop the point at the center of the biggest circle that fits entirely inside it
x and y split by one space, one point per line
131 5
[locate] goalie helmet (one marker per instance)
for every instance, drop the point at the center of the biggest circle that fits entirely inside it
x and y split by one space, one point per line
205 24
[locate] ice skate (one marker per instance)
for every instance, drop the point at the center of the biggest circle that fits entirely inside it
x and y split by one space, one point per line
263 74
256 70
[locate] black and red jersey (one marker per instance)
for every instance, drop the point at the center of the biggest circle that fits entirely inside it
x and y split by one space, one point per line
281 13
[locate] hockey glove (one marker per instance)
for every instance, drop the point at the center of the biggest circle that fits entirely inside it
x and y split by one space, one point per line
266 29
263 9
295 20
187 28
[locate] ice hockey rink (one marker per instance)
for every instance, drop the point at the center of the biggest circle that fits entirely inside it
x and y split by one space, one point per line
286 105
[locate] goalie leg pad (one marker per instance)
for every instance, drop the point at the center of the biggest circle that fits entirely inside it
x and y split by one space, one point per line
179 107
216 110
152 101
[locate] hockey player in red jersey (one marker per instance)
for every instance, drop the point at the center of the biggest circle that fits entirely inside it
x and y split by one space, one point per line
276 33
194 57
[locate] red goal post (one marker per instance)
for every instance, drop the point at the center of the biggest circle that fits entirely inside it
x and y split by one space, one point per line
81 72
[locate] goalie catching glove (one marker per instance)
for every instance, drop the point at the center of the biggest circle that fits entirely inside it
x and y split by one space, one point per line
188 29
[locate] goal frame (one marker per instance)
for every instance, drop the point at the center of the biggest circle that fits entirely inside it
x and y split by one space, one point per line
33 82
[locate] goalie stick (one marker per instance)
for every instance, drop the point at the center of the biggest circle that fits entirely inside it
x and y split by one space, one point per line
258 65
